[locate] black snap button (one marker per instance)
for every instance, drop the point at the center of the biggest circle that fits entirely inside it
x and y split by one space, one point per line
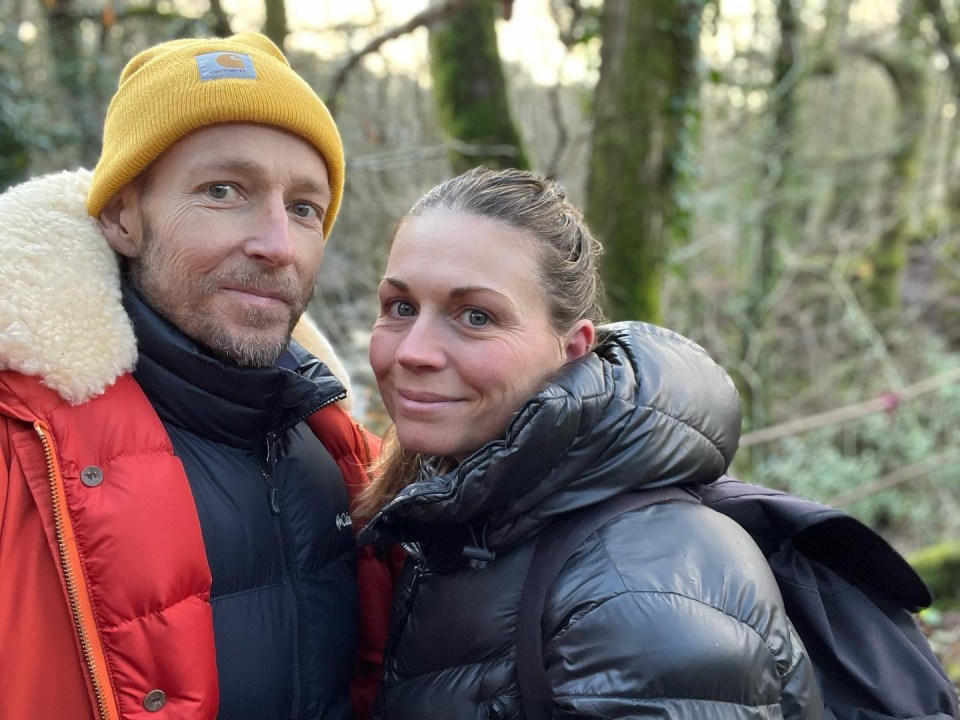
91 476
155 700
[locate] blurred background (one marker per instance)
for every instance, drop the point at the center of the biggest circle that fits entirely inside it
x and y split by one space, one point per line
777 179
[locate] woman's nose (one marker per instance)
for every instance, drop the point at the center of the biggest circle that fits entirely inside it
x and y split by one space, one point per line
422 346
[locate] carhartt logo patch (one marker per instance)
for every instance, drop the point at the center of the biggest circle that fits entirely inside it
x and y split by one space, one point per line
218 65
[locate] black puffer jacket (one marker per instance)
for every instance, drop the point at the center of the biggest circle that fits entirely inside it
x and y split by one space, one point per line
270 499
669 611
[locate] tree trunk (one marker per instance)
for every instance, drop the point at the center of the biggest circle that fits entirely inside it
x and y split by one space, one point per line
14 153
275 26
73 77
646 108
777 227
221 23
14 159
471 92
889 257
948 311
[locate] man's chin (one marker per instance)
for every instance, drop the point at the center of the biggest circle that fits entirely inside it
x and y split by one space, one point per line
254 349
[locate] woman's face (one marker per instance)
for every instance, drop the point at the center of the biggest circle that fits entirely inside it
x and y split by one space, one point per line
464 337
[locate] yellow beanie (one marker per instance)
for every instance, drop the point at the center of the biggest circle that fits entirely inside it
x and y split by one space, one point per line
177 87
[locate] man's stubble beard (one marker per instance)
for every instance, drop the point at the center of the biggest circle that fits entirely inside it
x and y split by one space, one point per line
245 349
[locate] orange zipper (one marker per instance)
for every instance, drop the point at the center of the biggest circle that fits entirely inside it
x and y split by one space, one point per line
80 606
366 447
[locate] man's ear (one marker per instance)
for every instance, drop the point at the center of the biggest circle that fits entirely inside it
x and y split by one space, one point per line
579 340
121 223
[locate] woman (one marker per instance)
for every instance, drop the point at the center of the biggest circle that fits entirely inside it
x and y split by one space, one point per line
511 407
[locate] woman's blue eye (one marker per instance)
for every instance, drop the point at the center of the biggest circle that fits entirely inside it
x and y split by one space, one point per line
404 309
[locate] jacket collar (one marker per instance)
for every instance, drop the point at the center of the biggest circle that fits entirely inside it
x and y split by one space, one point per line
60 312
647 408
193 389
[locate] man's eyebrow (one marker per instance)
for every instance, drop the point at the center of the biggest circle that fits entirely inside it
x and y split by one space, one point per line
231 165
303 183
306 184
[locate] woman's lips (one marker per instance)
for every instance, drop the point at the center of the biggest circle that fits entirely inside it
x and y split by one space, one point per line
418 401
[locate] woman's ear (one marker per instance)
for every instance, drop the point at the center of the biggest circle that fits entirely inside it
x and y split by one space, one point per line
579 340
121 223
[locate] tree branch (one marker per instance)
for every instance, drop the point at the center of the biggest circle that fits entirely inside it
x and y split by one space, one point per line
897 477
888 402
423 19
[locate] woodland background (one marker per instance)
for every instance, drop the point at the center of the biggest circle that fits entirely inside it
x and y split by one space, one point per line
778 180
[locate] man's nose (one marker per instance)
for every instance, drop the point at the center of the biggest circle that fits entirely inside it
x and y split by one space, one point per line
270 240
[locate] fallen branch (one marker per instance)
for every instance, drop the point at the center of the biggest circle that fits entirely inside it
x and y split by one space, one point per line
897 477
887 402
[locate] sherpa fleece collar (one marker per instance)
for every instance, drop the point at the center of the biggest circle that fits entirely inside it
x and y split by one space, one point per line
61 317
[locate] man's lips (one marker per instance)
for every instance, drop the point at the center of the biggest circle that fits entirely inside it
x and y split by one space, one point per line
265 296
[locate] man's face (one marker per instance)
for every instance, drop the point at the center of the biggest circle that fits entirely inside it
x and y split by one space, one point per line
223 236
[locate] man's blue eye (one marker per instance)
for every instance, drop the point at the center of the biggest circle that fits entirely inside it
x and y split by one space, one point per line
218 191
404 309
303 210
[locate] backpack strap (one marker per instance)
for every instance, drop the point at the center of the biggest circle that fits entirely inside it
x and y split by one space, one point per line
556 544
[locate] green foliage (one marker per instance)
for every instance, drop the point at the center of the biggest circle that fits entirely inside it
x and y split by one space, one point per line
14 156
939 566
585 26
842 465
942 629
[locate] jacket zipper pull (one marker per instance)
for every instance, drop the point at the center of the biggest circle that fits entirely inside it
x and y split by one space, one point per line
275 500
273 449
273 454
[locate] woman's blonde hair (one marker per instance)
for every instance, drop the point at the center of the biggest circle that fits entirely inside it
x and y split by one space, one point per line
569 278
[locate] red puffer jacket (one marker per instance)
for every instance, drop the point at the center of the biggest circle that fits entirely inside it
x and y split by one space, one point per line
104 582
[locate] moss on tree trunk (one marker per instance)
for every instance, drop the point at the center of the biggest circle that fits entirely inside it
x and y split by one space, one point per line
645 118
471 92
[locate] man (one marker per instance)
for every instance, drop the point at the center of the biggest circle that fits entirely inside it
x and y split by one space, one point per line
176 474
